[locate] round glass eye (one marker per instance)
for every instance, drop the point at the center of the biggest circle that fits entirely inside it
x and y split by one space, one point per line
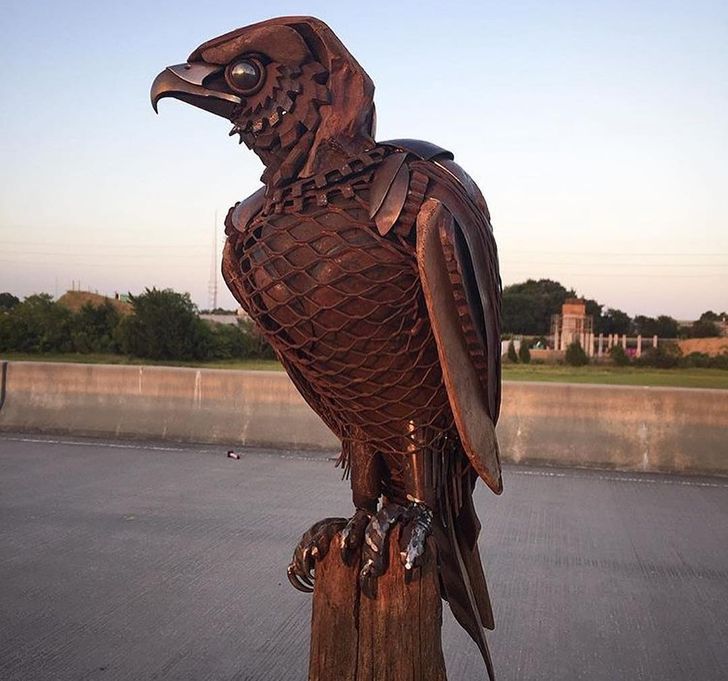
245 76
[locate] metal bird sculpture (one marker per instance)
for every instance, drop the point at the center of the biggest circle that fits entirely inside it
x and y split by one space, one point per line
372 270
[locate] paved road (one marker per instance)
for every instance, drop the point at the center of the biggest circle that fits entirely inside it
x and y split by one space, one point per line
135 562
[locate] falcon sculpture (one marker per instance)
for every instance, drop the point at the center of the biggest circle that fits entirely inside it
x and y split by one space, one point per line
372 270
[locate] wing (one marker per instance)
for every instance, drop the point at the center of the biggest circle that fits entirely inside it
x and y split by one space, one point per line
458 264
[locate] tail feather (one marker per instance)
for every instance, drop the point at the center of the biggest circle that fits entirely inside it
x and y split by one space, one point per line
461 569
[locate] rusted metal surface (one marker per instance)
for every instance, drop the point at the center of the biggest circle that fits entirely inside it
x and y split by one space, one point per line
324 258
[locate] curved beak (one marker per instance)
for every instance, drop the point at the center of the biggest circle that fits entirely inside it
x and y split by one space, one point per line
189 83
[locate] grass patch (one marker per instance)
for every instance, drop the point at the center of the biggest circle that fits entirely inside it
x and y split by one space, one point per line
612 375
249 364
609 375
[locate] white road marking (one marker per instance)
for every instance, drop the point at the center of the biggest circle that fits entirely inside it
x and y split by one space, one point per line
279 454
81 443
667 480
513 469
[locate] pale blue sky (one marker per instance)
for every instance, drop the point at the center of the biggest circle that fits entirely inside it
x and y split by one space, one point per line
598 132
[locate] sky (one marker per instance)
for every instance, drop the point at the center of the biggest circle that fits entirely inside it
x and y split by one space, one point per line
598 132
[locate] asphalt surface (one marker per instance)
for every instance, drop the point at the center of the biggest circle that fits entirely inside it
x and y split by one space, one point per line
135 561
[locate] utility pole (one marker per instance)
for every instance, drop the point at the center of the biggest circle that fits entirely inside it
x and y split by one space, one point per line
212 286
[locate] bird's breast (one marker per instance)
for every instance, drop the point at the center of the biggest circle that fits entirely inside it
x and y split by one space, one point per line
319 274
345 306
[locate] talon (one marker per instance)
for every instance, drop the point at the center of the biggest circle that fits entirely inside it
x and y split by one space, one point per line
415 534
313 546
297 581
374 553
352 536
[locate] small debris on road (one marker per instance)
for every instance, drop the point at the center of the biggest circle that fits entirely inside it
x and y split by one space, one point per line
232 455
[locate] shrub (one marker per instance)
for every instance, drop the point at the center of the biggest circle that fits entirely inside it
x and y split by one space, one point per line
575 355
664 356
257 346
228 341
699 360
719 361
524 354
239 341
512 355
619 356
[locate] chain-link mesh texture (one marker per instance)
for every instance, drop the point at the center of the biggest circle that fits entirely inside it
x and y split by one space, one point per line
344 306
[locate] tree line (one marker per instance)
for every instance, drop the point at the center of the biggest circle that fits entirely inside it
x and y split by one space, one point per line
165 325
162 325
529 306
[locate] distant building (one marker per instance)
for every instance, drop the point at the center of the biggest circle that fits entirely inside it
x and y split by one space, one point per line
573 324
230 317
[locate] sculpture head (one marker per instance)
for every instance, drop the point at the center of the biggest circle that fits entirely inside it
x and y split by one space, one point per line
292 91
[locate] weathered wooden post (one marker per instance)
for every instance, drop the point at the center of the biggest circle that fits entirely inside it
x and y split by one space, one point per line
394 636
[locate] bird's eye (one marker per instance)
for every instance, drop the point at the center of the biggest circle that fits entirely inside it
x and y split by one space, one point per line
245 76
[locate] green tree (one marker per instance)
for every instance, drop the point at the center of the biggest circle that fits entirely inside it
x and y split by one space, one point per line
512 354
38 324
524 353
709 316
615 321
8 301
93 328
164 325
594 309
528 306
707 325
575 355
704 328
666 327
645 326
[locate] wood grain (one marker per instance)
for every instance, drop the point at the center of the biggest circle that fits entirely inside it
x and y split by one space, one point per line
394 636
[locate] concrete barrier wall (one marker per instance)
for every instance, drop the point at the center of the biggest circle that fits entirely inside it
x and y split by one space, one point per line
199 405
623 427
628 428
